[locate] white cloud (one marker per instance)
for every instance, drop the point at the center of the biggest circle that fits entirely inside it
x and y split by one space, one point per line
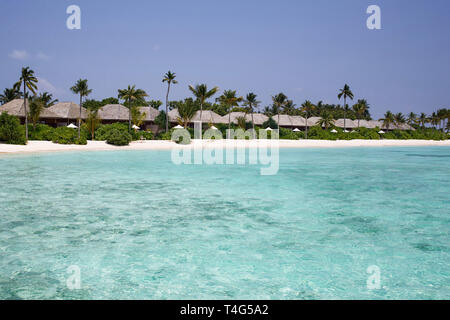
42 56
19 55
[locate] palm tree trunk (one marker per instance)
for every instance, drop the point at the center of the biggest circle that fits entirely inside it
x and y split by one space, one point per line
306 130
79 119
25 110
253 124
278 120
345 103
129 115
167 107
201 124
229 120
358 122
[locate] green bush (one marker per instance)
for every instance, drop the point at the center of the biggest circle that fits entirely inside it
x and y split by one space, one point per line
11 132
41 132
104 131
288 134
119 138
64 135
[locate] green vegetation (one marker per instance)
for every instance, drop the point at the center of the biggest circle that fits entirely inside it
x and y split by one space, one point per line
81 87
119 138
129 95
64 135
28 80
169 77
11 132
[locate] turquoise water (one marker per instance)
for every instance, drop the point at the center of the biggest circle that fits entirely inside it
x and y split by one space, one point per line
140 227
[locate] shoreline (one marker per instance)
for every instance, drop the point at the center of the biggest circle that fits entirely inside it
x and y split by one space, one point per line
48 146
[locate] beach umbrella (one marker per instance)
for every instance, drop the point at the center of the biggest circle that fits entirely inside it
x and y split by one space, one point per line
334 131
72 126
296 130
269 129
178 127
214 128
135 127
346 131
381 132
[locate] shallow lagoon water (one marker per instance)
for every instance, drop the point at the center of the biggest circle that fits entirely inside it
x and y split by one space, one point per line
140 227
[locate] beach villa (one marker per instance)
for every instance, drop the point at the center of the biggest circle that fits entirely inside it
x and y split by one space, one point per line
64 113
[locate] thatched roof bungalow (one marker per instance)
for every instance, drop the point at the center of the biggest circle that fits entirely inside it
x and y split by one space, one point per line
208 116
349 124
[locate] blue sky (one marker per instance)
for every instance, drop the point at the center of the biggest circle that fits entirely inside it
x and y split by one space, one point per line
306 49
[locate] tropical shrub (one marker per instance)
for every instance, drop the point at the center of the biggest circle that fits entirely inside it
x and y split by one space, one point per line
118 138
64 135
104 131
288 134
11 132
41 132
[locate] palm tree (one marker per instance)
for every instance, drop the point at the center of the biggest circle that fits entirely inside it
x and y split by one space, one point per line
279 101
186 111
423 119
28 80
241 122
81 87
435 119
442 115
47 99
388 119
412 118
360 109
251 102
399 119
92 121
201 92
307 108
169 77
131 94
326 120
346 93
229 99
289 108
10 95
36 107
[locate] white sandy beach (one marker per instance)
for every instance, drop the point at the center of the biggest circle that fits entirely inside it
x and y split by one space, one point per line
47 146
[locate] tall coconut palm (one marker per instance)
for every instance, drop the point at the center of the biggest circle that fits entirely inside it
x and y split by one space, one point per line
35 109
81 88
10 95
169 77
307 108
412 118
345 93
423 119
28 80
201 92
279 102
326 120
251 102
229 100
435 120
92 121
360 109
129 95
388 120
289 108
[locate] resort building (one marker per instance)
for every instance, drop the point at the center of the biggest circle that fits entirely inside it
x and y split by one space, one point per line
64 113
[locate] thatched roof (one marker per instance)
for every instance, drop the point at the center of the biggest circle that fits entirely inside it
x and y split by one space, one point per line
285 120
16 108
298 121
113 112
150 113
67 110
313 121
208 116
258 118
349 124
